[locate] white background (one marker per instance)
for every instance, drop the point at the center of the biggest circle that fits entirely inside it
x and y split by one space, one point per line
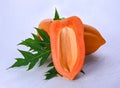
17 19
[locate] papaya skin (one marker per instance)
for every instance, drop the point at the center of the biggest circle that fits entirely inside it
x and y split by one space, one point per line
92 38
45 25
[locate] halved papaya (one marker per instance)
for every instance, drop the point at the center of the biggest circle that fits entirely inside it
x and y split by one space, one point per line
67 46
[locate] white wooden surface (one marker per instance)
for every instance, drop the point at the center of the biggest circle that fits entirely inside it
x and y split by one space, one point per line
17 19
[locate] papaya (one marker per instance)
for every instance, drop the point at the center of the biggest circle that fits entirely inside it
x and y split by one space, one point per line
45 25
67 46
92 38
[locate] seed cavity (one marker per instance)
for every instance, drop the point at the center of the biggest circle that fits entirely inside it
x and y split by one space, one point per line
67 48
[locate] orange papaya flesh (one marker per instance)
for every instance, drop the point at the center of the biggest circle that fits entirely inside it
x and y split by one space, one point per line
67 46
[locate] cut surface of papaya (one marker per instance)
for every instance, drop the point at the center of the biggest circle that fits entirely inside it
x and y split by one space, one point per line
67 46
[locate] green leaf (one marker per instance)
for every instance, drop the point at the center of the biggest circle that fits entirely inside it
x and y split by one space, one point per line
33 44
36 58
51 73
26 41
56 17
49 76
44 57
53 70
41 42
43 34
41 48
27 55
36 38
32 64
19 62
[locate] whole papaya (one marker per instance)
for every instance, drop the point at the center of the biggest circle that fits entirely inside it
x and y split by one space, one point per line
93 39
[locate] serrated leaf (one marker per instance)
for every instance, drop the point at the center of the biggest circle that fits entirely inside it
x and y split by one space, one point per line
44 58
26 41
27 55
56 17
34 45
19 62
32 64
49 76
43 34
53 70
36 38
51 73
37 56
42 48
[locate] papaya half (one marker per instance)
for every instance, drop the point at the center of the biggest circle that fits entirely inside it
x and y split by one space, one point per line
67 46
